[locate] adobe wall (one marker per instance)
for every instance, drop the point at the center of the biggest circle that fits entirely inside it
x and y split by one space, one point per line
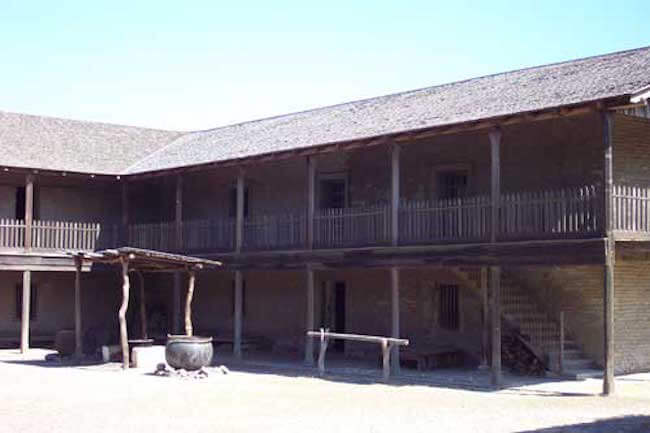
578 290
631 145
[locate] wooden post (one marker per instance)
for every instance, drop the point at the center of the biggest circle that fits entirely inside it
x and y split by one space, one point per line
385 352
176 302
395 195
610 258
29 210
495 146
311 199
321 353
561 351
125 213
124 338
309 324
143 308
237 326
495 309
178 214
485 335
78 330
395 316
239 223
24 323
188 303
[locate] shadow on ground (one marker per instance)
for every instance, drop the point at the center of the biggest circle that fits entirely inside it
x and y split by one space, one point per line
625 424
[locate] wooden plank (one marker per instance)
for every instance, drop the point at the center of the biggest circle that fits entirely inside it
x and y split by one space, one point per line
395 194
495 181
124 343
495 324
25 313
309 343
360 337
395 317
237 325
78 329
29 210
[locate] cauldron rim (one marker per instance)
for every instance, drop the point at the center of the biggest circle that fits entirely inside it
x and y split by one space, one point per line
188 339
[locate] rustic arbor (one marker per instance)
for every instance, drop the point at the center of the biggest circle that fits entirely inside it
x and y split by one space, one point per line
138 261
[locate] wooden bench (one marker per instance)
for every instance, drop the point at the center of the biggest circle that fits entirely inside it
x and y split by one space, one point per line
387 343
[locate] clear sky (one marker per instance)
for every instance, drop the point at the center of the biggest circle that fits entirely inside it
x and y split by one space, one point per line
200 64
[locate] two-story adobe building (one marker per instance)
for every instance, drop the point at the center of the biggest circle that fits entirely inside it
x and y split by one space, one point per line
438 214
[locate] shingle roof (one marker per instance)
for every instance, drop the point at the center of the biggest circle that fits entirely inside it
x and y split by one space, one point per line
37 142
518 91
49 143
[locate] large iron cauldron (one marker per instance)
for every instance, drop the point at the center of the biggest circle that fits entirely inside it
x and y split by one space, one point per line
188 353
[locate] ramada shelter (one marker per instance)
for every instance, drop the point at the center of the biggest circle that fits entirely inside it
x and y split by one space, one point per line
516 202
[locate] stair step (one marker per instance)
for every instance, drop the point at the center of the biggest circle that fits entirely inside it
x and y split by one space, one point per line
577 364
568 354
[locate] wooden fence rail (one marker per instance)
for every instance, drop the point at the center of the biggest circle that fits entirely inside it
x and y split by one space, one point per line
631 208
356 226
154 236
12 233
63 235
209 234
567 212
457 219
267 232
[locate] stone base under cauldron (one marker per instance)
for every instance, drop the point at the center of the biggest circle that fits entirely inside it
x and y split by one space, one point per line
164 370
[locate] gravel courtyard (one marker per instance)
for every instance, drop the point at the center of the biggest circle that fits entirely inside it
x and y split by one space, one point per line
39 397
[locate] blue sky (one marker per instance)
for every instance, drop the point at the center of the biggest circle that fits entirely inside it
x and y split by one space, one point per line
201 64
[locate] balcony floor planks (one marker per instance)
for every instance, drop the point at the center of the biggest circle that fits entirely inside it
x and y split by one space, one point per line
546 252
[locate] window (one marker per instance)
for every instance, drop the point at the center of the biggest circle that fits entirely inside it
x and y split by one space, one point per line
32 302
449 307
233 202
332 192
452 184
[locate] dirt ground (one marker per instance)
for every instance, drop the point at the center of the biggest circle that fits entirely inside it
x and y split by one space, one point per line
47 397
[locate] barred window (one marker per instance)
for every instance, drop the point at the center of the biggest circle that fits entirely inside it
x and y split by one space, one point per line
449 307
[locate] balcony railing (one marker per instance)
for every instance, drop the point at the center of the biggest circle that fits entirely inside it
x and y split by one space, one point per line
351 227
565 213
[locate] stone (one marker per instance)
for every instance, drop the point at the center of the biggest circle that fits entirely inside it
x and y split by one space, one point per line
148 357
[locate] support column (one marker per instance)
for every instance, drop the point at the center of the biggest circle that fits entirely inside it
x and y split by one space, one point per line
24 321
311 199
29 210
176 303
237 325
495 180
124 232
485 334
189 330
610 259
309 325
395 316
395 194
495 325
143 308
178 214
239 223
78 330
124 338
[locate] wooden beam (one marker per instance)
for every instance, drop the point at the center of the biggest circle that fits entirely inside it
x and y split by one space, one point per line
176 302
395 317
395 195
188 303
610 257
309 317
78 329
24 321
237 325
178 213
239 224
125 213
311 200
29 210
124 338
495 324
485 334
495 181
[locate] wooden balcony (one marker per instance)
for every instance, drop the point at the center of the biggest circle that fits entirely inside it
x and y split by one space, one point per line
571 213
